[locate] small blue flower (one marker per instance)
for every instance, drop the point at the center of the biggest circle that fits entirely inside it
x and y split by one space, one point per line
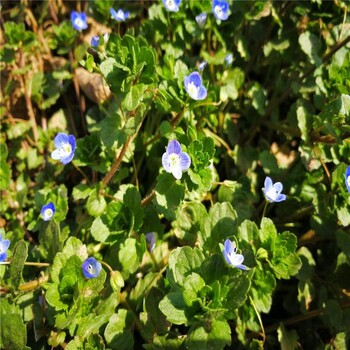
78 20
220 9
273 191
65 147
172 5
4 245
95 41
347 178
91 268
48 211
228 59
194 86
174 160
231 257
202 66
119 15
201 19
151 238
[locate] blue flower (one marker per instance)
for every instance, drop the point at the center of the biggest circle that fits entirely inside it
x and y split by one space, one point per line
194 86
347 178
65 147
47 211
228 59
78 20
231 257
273 191
95 41
174 160
202 66
172 5
119 15
151 238
201 19
91 268
4 245
220 9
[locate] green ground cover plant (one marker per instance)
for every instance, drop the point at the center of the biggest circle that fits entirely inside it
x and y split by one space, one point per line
175 175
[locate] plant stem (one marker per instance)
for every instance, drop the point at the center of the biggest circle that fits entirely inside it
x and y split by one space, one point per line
117 163
264 211
28 263
259 318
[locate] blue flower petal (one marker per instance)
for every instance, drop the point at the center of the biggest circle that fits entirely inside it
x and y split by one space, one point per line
95 41
173 147
166 162
4 245
202 93
185 161
61 139
347 178
3 256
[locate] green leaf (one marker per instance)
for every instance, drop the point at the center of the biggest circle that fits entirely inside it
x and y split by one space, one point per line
5 170
50 239
133 97
212 334
287 339
13 332
192 286
189 222
175 308
130 255
258 96
118 331
221 223
239 197
285 261
238 290
182 262
304 122
132 200
96 203
100 230
91 324
263 285
169 195
343 241
311 45
17 264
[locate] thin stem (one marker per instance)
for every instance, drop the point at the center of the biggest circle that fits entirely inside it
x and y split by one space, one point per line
27 287
148 198
27 263
264 211
117 163
108 267
259 318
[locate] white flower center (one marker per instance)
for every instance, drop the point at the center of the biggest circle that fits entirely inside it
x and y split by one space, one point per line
272 192
348 180
79 22
174 160
48 213
65 150
218 10
192 89
171 5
